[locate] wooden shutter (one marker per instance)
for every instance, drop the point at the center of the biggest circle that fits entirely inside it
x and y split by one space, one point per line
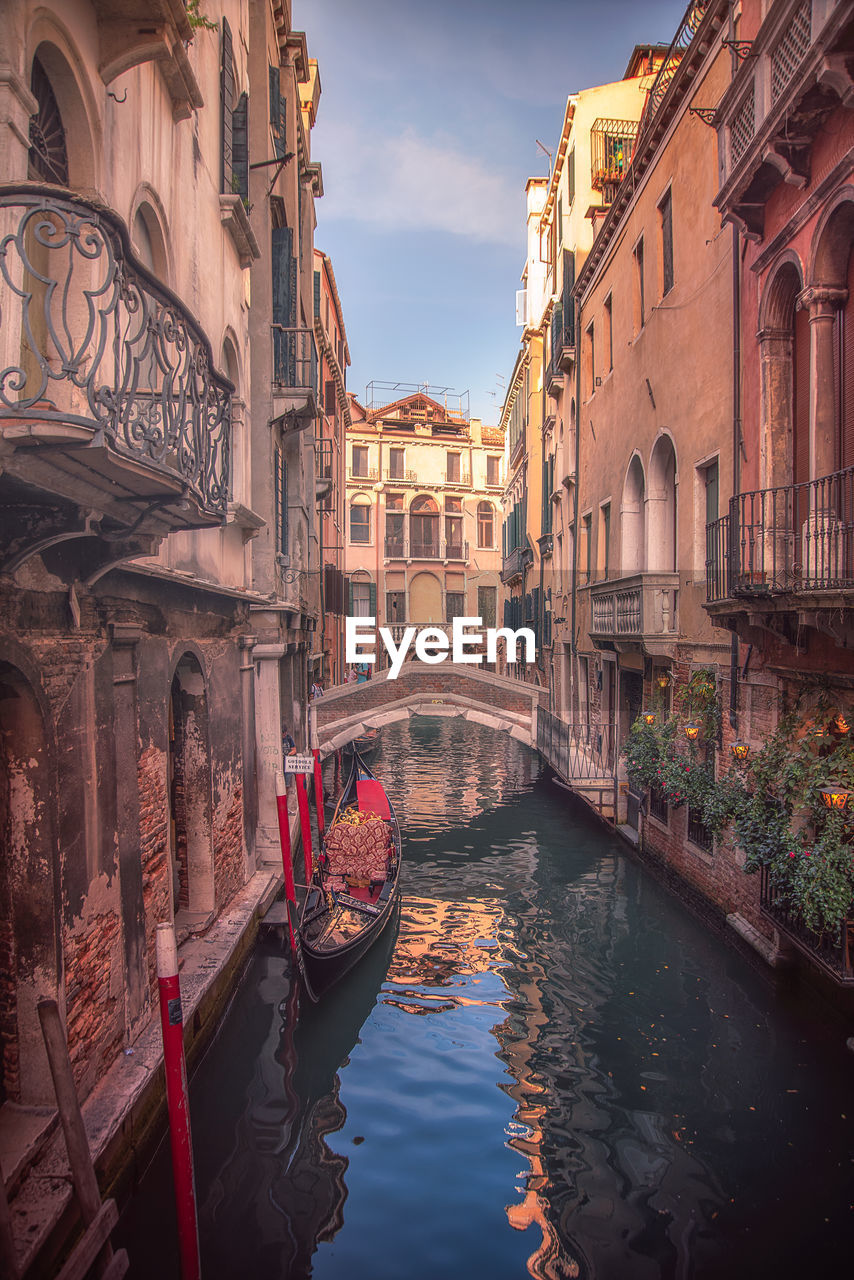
240 147
666 244
568 305
277 113
317 295
281 492
226 105
372 599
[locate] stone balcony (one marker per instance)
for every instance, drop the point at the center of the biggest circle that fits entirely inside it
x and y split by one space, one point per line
637 611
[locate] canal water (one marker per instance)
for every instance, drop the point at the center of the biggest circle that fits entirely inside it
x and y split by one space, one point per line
550 1068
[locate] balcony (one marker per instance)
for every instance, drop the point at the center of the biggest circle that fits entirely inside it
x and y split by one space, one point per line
637 610
406 549
400 477
611 145
786 550
833 954
777 102
514 562
368 476
109 401
562 350
295 398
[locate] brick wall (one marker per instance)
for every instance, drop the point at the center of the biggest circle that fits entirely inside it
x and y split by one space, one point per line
229 848
94 1003
154 849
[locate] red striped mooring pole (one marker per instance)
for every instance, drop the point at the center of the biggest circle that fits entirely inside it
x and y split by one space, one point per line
304 825
178 1103
287 857
318 792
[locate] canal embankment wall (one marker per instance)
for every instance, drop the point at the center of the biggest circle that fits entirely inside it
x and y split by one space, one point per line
124 1114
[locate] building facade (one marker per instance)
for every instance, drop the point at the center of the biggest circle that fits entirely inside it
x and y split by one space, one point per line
424 481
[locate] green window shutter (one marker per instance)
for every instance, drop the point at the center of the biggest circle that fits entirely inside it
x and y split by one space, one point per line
240 147
372 599
568 306
316 294
284 306
277 113
350 597
226 105
280 487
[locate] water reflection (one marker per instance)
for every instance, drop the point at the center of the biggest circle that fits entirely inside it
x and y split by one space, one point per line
552 1070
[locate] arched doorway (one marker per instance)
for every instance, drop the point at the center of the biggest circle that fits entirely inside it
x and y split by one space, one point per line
425 599
632 518
661 507
191 845
28 910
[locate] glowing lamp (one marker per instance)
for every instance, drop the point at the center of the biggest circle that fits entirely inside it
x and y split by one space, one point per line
740 749
692 731
648 717
835 797
663 679
840 726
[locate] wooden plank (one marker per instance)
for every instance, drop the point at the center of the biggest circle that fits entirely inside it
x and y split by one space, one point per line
118 1267
8 1258
91 1243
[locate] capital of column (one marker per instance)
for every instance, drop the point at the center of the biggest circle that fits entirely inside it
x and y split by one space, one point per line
822 301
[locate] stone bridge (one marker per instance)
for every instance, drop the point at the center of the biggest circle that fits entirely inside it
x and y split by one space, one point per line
447 689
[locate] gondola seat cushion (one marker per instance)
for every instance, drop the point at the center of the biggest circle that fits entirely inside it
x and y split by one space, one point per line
360 851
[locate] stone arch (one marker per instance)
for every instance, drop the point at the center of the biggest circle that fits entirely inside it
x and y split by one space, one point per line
425 599
55 52
149 233
28 888
832 241
633 518
191 830
661 506
779 296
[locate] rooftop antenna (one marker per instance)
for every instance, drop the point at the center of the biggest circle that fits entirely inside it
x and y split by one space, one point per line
546 151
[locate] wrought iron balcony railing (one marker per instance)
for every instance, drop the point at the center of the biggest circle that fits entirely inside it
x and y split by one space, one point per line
514 562
407 549
99 357
645 604
400 477
369 474
295 360
794 539
833 952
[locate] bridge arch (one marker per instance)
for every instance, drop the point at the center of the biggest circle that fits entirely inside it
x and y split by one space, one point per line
447 689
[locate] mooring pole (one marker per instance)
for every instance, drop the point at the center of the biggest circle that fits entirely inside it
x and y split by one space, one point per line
318 792
287 857
305 825
177 1100
71 1118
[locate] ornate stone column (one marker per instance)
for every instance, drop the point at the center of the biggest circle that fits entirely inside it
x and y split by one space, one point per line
822 302
776 407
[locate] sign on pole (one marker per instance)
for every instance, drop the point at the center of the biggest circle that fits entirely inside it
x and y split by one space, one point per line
299 764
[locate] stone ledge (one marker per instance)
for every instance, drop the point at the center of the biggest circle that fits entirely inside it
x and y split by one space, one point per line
768 949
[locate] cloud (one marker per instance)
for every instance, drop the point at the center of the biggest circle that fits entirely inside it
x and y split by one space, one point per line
407 182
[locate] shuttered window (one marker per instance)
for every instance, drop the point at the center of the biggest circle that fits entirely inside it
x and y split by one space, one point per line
227 104
284 305
666 211
280 488
568 305
240 147
277 113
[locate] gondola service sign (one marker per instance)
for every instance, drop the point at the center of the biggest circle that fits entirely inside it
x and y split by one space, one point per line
299 764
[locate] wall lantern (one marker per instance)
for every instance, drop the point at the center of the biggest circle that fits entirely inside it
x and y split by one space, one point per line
692 731
839 725
663 679
740 749
834 797
648 717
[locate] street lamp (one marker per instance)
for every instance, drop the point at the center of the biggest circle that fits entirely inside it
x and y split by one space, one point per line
663 679
834 797
740 749
692 731
648 717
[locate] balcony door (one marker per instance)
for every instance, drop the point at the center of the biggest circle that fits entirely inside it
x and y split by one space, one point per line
424 529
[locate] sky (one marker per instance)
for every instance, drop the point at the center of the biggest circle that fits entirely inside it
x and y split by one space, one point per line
427 130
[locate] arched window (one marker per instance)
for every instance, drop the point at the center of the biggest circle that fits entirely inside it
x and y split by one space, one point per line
661 507
424 528
632 519
360 520
48 156
485 525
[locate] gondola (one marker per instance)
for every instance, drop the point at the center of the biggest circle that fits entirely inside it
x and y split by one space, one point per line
355 886
365 745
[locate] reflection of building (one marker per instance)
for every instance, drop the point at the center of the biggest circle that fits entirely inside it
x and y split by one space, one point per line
423 483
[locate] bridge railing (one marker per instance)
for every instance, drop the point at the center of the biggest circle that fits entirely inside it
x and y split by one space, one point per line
578 752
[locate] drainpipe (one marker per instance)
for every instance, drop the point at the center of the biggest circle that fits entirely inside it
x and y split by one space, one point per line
574 569
736 446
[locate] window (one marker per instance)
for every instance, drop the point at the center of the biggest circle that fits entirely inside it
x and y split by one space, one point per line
395 607
609 331
424 528
486 598
711 478
330 398
281 496
360 460
666 211
360 522
485 525
455 605
453 468
570 176
234 124
586 548
363 600
604 538
394 526
493 471
640 310
395 464
453 527
591 359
